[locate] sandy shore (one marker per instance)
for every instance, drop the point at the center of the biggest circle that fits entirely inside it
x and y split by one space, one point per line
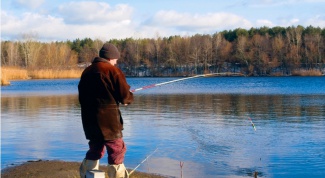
55 169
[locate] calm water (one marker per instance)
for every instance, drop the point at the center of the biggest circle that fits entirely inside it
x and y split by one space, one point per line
203 122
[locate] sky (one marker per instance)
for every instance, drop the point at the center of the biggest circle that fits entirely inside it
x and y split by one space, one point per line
61 20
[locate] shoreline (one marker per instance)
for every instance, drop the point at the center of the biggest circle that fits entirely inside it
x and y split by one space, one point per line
15 73
57 168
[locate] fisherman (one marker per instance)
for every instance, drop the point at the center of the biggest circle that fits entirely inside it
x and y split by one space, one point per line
102 88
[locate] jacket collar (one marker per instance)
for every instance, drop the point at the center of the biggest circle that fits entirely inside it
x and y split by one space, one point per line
98 59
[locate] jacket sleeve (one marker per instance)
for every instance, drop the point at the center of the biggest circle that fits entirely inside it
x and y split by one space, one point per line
123 89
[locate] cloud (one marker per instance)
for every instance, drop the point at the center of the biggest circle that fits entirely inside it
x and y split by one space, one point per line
81 19
209 22
30 23
73 20
317 21
267 23
284 22
94 12
100 20
47 27
29 4
294 21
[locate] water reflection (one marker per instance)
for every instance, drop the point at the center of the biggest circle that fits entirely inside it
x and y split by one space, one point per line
40 127
264 106
210 133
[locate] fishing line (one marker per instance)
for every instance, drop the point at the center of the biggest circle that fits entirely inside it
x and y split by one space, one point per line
255 173
172 81
143 161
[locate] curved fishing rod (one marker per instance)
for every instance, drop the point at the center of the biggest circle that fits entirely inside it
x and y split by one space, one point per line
186 78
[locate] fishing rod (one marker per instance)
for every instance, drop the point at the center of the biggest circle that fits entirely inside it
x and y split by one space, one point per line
143 161
186 78
253 125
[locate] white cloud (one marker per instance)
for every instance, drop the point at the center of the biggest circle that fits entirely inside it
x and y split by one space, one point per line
99 20
52 28
86 19
317 21
80 19
294 21
209 22
289 22
94 12
13 27
267 23
29 4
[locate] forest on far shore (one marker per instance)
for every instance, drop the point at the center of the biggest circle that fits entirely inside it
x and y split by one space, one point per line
264 51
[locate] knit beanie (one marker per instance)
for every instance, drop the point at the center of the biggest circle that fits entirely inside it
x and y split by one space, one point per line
109 51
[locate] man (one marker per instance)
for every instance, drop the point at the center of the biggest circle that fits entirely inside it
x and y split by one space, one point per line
102 88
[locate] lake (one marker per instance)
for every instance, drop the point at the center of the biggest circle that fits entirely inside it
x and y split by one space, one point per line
204 123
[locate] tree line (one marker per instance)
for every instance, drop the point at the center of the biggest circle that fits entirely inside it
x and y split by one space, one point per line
257 51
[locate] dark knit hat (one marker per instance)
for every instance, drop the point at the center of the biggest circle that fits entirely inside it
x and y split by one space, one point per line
109 51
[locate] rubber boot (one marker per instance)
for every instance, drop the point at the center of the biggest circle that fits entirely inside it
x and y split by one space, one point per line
88 165
117 171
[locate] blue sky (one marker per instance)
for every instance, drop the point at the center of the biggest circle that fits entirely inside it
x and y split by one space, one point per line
60 20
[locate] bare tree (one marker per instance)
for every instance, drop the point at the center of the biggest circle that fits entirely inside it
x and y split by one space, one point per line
30 49
294 36
157 49
206 46
10 53
312 50
277 51
225 51
195 53
216 41
98 45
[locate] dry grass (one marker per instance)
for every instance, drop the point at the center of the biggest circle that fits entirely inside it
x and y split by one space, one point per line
311 72
14 73
55 74
4 81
